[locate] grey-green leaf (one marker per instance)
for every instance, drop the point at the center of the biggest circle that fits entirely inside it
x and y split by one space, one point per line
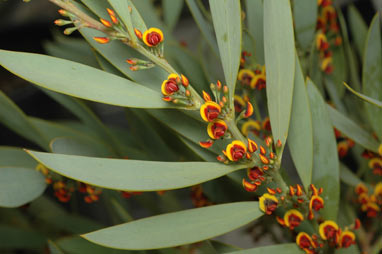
372 74
19 186
325 160
256 28
352 130
300 140
358 29
178 228
80 80
133 175
280 64
226 16
305 19
287 248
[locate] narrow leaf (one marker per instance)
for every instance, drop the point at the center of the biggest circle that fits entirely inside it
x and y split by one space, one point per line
19 186
287 248
80 146
178 228
280 64
300 139
79 80
133 175
226 16
171 12
348 177
368 99
305 19
358 29
372 74
15 157
256 28
325 160
352 130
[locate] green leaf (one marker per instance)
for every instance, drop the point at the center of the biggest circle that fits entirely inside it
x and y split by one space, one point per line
178 228
226 16
368 99
221 247
17 238
358 29
19 186
256 27
300 139
133 175
348 177
204 26
372 74
15 157
287 248
340 69
325 160
352 130
15 119
280 65
79 80
53 248
305 19
78 146
122 8
171 12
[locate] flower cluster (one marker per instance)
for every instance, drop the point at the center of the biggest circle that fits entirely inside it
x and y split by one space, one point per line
253 78
260 129
329 233
176 89
375 161
327 34
343 143
370 203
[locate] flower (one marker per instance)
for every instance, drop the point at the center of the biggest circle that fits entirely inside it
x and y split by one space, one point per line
209 111
376 165
152 37
255 173
236 150
239 103
361 188
245 76
249 110
170 85
342 148
316 203
216 129
258 82
251 126
293 218
250 187
328 230
304 241
347 238
206 144
321 42
371 209
252 146
268 203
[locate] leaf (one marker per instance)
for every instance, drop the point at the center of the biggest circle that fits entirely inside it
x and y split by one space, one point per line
368 99
178 228
203 25
305 19
79 80
340 69
287 248
221 247
256 27
300 139
15 119
19 186
372 74
352 130
133 175
122 8
280 65
78 146
15 157
348 177
358 29
171 12
226 16
53 248
325 160
17 238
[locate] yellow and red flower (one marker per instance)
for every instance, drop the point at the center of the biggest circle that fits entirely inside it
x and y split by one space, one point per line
347 238
246 76
293 218
248 186
152 37
170 85
342 148
236 150
371 209
255 174
316 203
376 165
209 111
216 129
304 241
251 126
361 188
268 203
259 81
329 230
321 42
206 144
249 111
378 193
252 146
239 103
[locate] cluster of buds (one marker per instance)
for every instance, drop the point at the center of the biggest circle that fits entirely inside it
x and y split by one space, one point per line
72 21
214 112
63 191
375 161
91 193
370 203
253 79
176 89
198 198
139 64
343 143
327 34
330 235
243 58
260 129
